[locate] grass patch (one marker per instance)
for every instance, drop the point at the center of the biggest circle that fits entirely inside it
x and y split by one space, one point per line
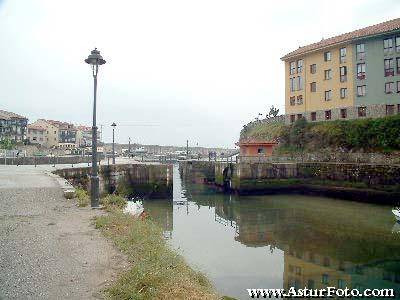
82 197
157 272
112 202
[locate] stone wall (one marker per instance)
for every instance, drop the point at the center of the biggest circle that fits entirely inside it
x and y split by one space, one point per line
378 183
372 111
327 156
197 171
45 160
150 181
369 174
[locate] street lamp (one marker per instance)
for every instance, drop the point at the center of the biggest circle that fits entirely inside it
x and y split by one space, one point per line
94 59
113 145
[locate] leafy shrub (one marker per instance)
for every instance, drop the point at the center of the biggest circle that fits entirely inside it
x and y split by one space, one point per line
82 197
113 201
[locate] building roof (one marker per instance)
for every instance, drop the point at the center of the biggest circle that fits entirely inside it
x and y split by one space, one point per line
36 127
376 29
84 128
7 115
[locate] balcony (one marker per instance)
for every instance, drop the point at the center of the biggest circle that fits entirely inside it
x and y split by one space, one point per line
389 72
361 55
361 75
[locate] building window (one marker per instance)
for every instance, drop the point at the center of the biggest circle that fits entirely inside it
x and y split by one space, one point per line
389 67
343 52
398 65
327 262
299 83
325 279
292 101
292 118
360 49
397 43
310 284
362 111
299 100
298 271
398 86
389 87
361 71
390 109
328 115
328 95
300 66
260 150
292 85
327 56
388 46
343 74
343 113
313 68
328 74
313 87
292 69
343 93
313 116
299 116
361 90
341 284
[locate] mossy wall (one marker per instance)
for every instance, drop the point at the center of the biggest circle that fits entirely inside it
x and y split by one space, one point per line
152 181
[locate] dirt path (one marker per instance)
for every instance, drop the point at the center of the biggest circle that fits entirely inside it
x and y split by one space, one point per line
49 248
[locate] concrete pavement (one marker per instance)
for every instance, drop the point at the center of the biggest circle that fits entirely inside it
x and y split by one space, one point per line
49 248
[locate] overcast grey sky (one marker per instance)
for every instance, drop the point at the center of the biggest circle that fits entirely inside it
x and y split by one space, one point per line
175 70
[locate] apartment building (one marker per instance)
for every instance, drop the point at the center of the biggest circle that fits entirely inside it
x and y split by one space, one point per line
353 75
44 133
37 134
12 126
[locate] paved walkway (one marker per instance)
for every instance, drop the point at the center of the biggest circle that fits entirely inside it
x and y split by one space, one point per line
49 248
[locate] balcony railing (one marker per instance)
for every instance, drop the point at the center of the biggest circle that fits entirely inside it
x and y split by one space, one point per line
389 72
361 75
361 55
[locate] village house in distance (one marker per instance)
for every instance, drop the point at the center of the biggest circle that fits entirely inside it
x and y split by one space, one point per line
349 76
49 134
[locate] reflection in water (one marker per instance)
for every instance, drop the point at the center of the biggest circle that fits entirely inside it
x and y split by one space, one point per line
280 241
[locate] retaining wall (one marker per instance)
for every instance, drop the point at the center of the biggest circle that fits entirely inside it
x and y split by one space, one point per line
150 181
45 160
364 182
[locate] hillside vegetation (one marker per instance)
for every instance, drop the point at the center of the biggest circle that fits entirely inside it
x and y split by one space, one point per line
364 135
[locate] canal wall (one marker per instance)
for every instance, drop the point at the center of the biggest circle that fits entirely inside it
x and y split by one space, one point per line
131 180
197 171
363 182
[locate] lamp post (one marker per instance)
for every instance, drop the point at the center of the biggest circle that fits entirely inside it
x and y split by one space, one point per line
95 60
113 145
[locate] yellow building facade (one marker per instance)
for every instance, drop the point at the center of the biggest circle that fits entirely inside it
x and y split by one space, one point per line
319 81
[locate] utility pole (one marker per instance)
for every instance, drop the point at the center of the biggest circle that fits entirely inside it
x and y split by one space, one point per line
129 147
113 144
187 149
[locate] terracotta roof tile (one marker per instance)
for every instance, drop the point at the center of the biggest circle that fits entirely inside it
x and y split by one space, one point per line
36 127
347 37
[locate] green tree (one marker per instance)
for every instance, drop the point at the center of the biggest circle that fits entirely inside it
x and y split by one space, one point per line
7 144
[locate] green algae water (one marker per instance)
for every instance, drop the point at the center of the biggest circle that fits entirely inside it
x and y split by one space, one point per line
280 241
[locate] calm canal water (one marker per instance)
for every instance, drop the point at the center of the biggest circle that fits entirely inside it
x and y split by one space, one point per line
280 241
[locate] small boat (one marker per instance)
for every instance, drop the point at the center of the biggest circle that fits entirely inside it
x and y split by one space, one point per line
396 212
